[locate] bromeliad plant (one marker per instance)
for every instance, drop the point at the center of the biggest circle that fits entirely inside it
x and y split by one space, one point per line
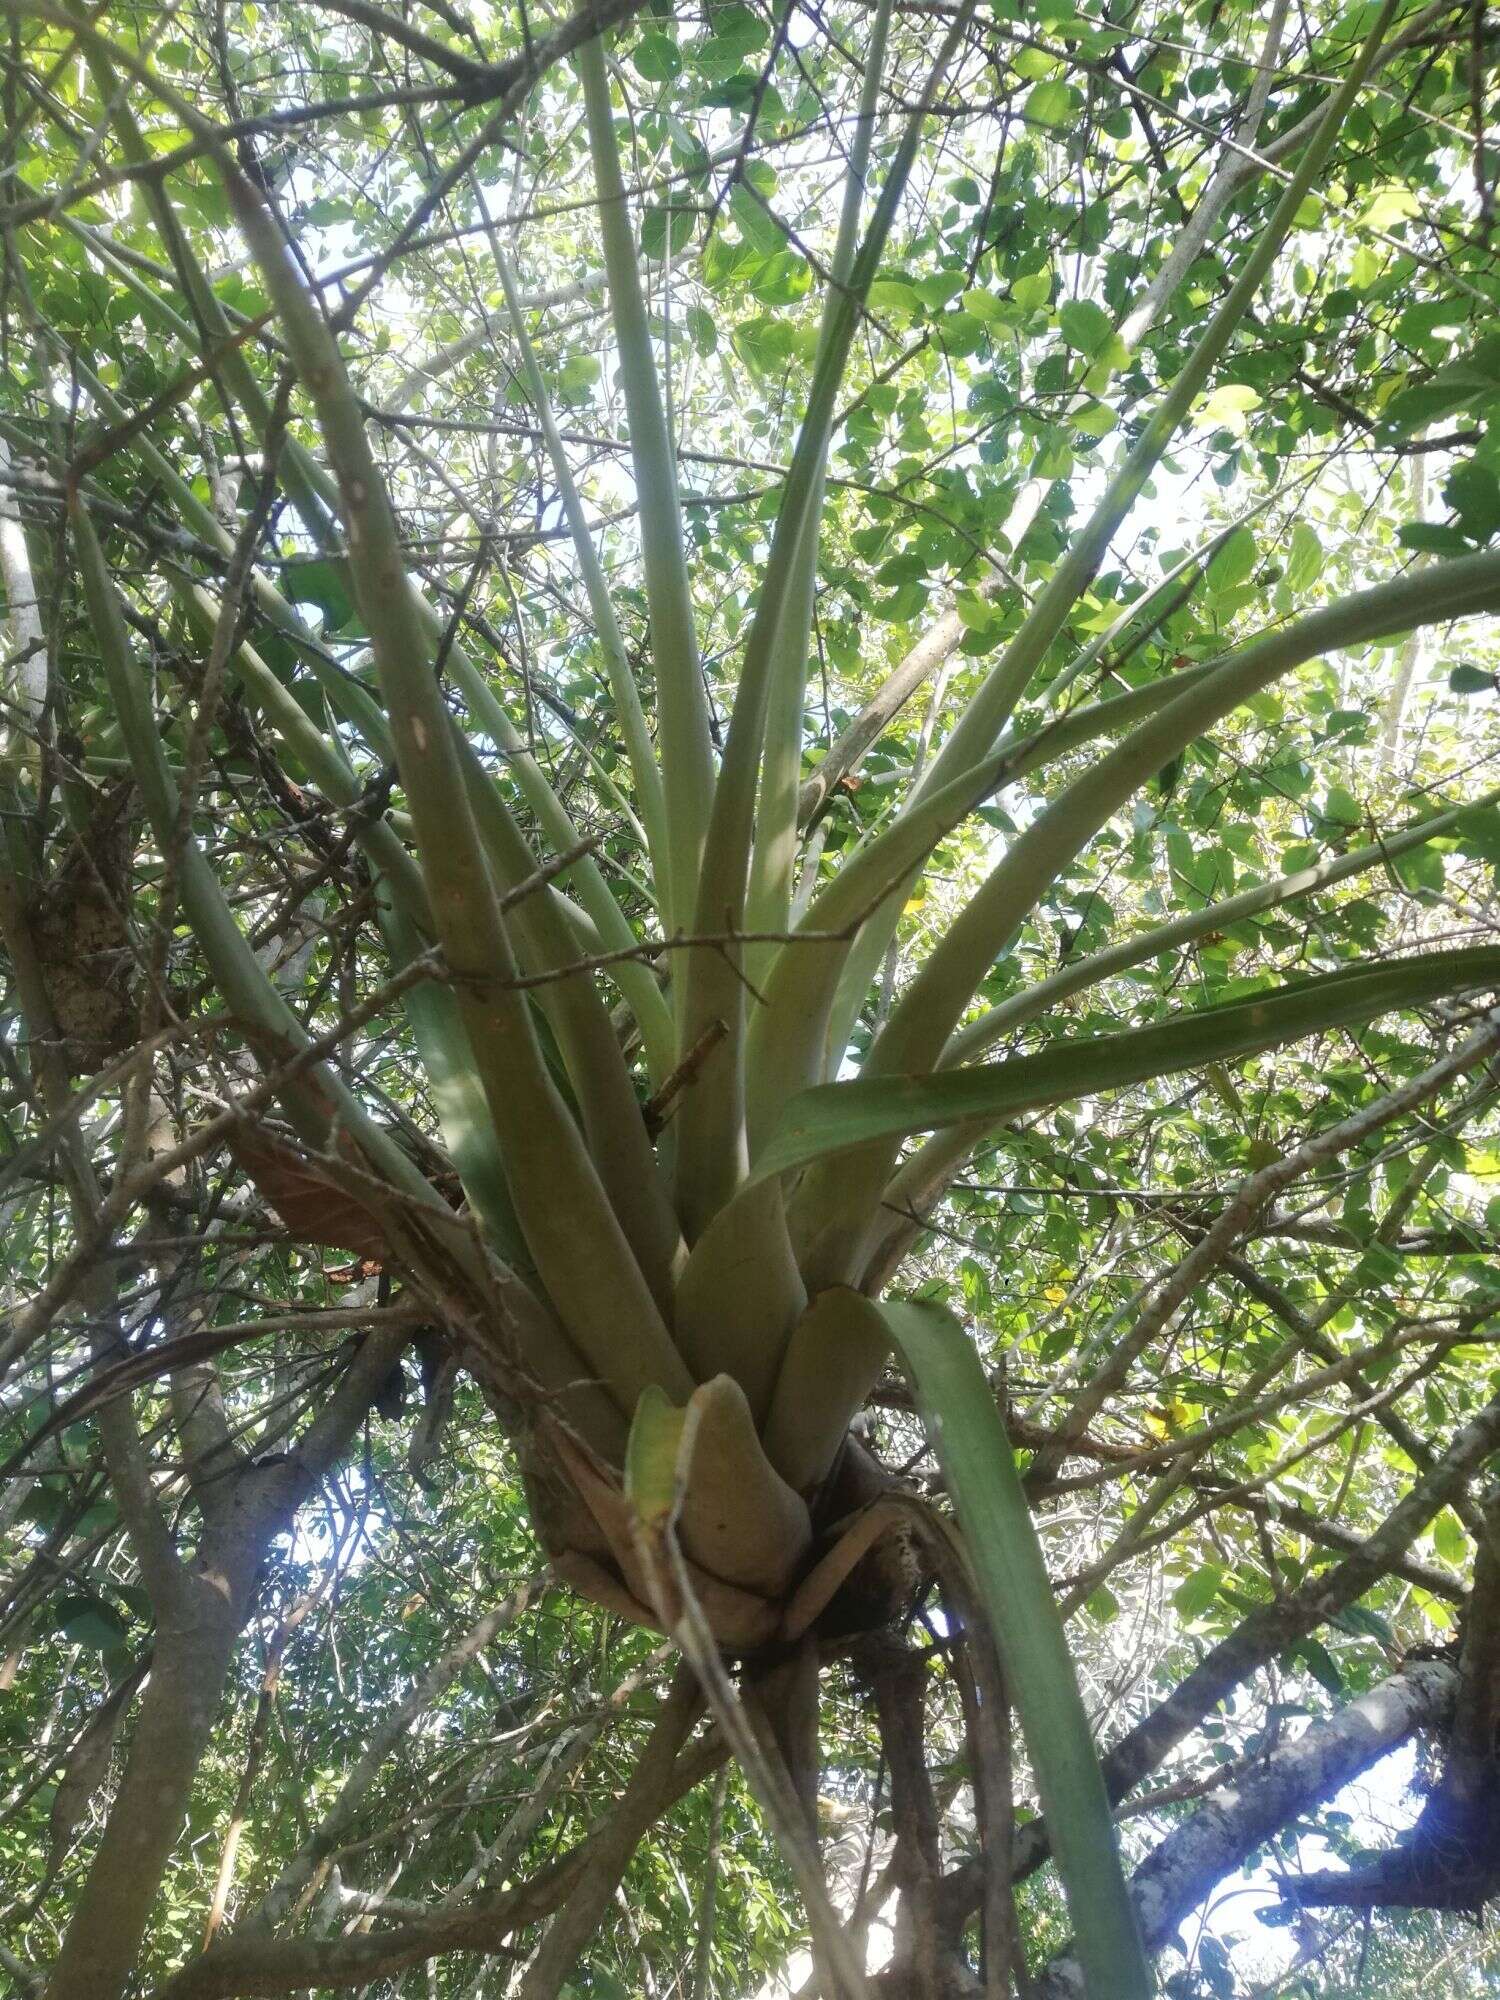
676 1212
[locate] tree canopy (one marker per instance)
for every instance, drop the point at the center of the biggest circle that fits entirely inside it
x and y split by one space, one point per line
751 998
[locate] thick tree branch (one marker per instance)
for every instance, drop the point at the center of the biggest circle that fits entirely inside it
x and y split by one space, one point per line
1451 1858
1177 1876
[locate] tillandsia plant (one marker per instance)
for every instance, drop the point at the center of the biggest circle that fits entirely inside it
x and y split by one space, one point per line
702 1007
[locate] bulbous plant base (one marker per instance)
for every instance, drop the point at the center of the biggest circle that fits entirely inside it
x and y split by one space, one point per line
768 1568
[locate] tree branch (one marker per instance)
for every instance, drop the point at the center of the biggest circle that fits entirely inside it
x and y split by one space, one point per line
1180 1873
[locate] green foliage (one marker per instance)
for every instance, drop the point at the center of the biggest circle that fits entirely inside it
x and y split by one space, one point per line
567 307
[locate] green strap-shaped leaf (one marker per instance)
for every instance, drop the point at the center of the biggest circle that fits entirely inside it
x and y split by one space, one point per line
834 1116
964 1428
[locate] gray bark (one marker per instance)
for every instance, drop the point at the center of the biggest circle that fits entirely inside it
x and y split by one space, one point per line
1177 1876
